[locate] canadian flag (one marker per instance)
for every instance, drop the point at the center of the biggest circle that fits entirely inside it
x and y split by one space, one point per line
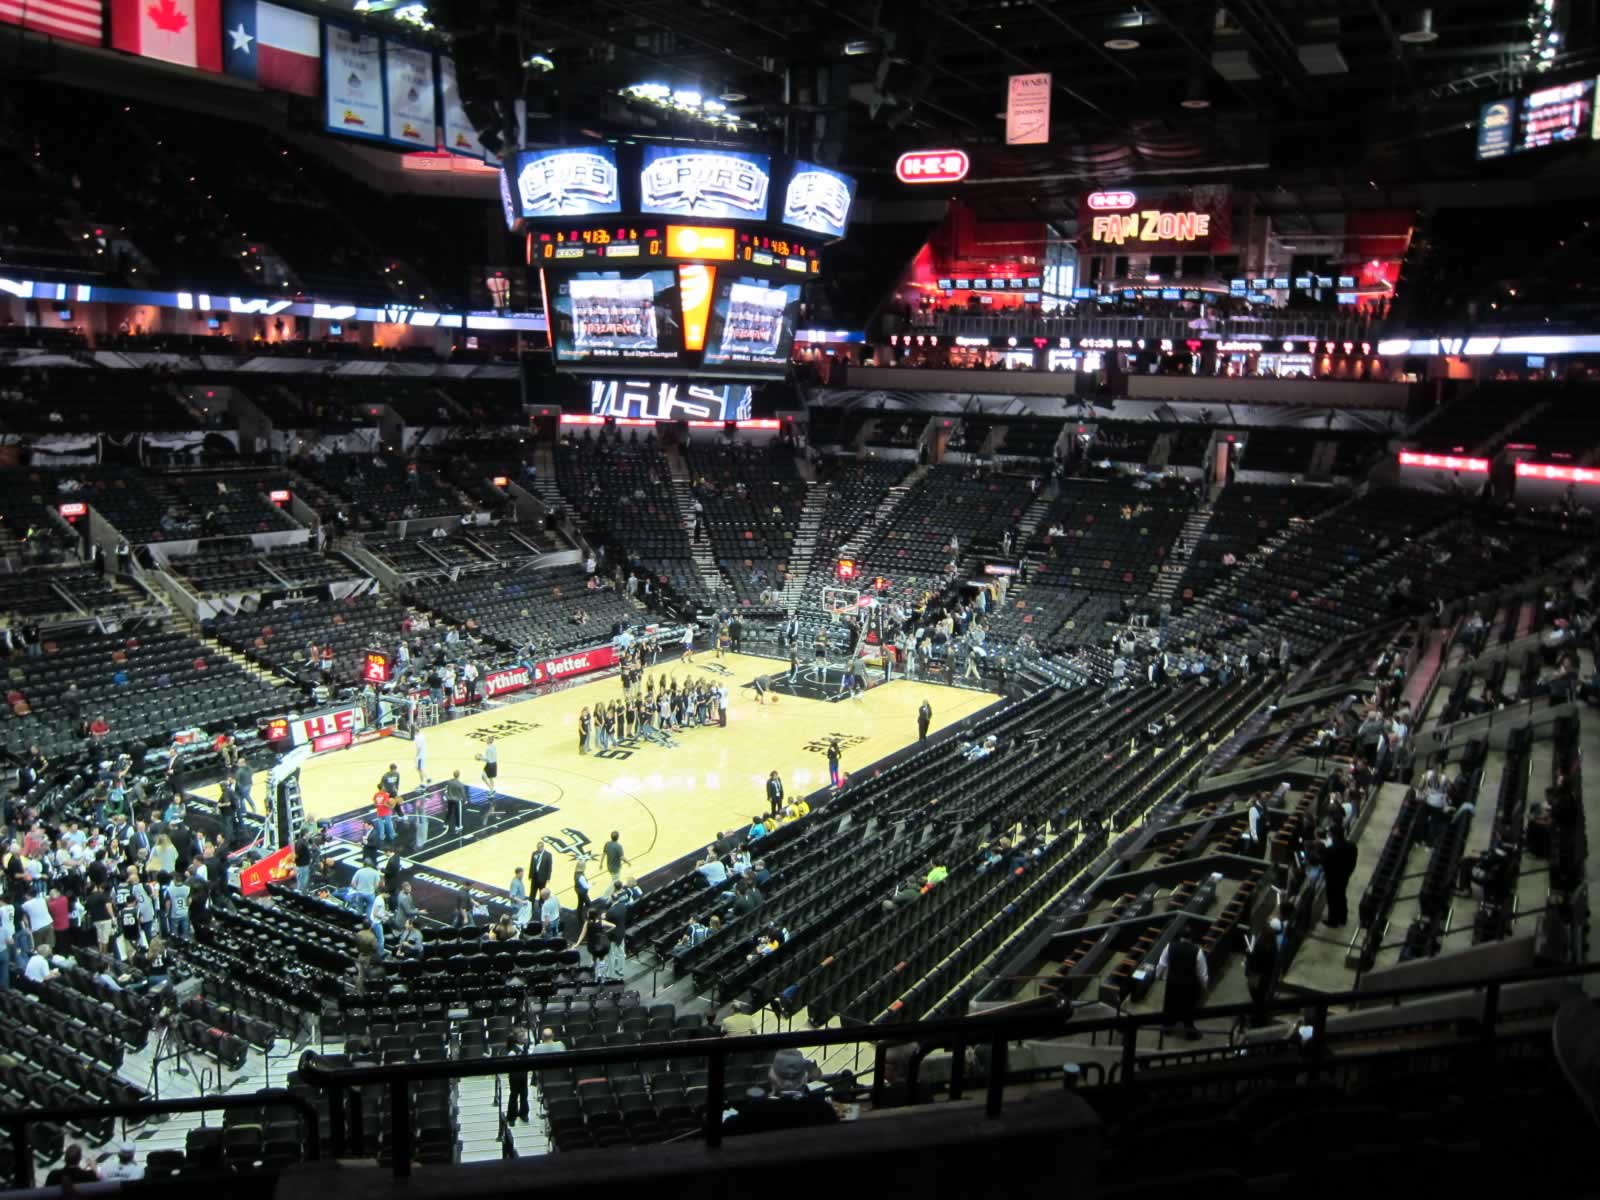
186 32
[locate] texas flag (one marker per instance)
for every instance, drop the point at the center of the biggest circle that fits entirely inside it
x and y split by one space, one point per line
186 32
277 47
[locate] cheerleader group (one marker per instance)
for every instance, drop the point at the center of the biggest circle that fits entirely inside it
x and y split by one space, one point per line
652 711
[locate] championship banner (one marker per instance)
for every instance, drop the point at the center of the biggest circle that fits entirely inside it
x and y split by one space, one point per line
410 116
352 77
1028 110
274 868
460 135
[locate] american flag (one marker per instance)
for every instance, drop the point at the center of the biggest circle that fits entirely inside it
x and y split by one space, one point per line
73 20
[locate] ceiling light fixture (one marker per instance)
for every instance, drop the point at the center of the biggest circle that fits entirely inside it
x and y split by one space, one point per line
1121 43
1423 34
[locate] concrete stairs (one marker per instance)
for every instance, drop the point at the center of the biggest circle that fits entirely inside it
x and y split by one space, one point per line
891 501
683 497
544 483
803 551
1194 528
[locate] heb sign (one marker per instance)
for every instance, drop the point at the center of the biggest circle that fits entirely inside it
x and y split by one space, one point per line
338 725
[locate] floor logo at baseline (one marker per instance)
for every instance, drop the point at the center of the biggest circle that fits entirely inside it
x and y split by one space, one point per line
845 740
503 729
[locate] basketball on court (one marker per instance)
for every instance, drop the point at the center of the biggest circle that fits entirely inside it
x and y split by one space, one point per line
774 697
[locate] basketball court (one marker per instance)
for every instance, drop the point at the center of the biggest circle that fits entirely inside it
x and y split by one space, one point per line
666 801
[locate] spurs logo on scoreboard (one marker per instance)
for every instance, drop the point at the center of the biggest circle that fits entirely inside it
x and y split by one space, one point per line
816 196
704 182
577 179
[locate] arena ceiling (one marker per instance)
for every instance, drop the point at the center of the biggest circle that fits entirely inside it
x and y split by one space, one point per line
1352 96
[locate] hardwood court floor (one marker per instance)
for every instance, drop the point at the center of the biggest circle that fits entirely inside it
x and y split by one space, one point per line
666 802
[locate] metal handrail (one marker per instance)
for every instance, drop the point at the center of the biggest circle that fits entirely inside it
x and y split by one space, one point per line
19 1122
998 1028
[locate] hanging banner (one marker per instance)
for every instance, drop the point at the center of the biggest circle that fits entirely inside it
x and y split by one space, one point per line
352 78
409 97
1028 110
460 135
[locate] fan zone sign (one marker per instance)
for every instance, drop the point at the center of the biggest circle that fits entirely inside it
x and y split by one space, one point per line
1150 225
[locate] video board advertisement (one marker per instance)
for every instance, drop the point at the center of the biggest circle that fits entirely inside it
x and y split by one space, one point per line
731 185
752 324
599 317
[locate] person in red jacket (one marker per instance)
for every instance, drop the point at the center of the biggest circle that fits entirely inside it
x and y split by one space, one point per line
383 822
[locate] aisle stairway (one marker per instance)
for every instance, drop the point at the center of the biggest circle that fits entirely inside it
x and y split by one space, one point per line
804 548
891 501
1194 529
683 497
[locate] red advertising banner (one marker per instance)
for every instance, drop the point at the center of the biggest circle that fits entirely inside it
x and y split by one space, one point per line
510 679
274 868
550 670
579 663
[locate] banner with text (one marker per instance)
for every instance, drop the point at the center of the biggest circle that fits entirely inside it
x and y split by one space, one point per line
352 81
1028 110
409 97
460 135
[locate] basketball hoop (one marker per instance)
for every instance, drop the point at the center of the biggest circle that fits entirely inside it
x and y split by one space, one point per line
499 291
840 602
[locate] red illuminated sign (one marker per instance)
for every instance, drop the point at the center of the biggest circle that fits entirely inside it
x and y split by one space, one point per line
1560 474
1150 225
847 568
73 510
326 727
500 481
280 496
932 166
1445 462
375 668
1111 201
276 729
332 741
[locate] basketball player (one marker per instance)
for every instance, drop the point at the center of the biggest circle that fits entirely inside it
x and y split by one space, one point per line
760 686
420 747
490 758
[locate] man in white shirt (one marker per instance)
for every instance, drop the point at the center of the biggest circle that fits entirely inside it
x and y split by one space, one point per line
125 1166
1183 966
549 914
39 969
419 747
712 870
37 910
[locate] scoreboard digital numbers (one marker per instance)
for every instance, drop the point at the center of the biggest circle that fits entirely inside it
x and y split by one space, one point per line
375 668
659 245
